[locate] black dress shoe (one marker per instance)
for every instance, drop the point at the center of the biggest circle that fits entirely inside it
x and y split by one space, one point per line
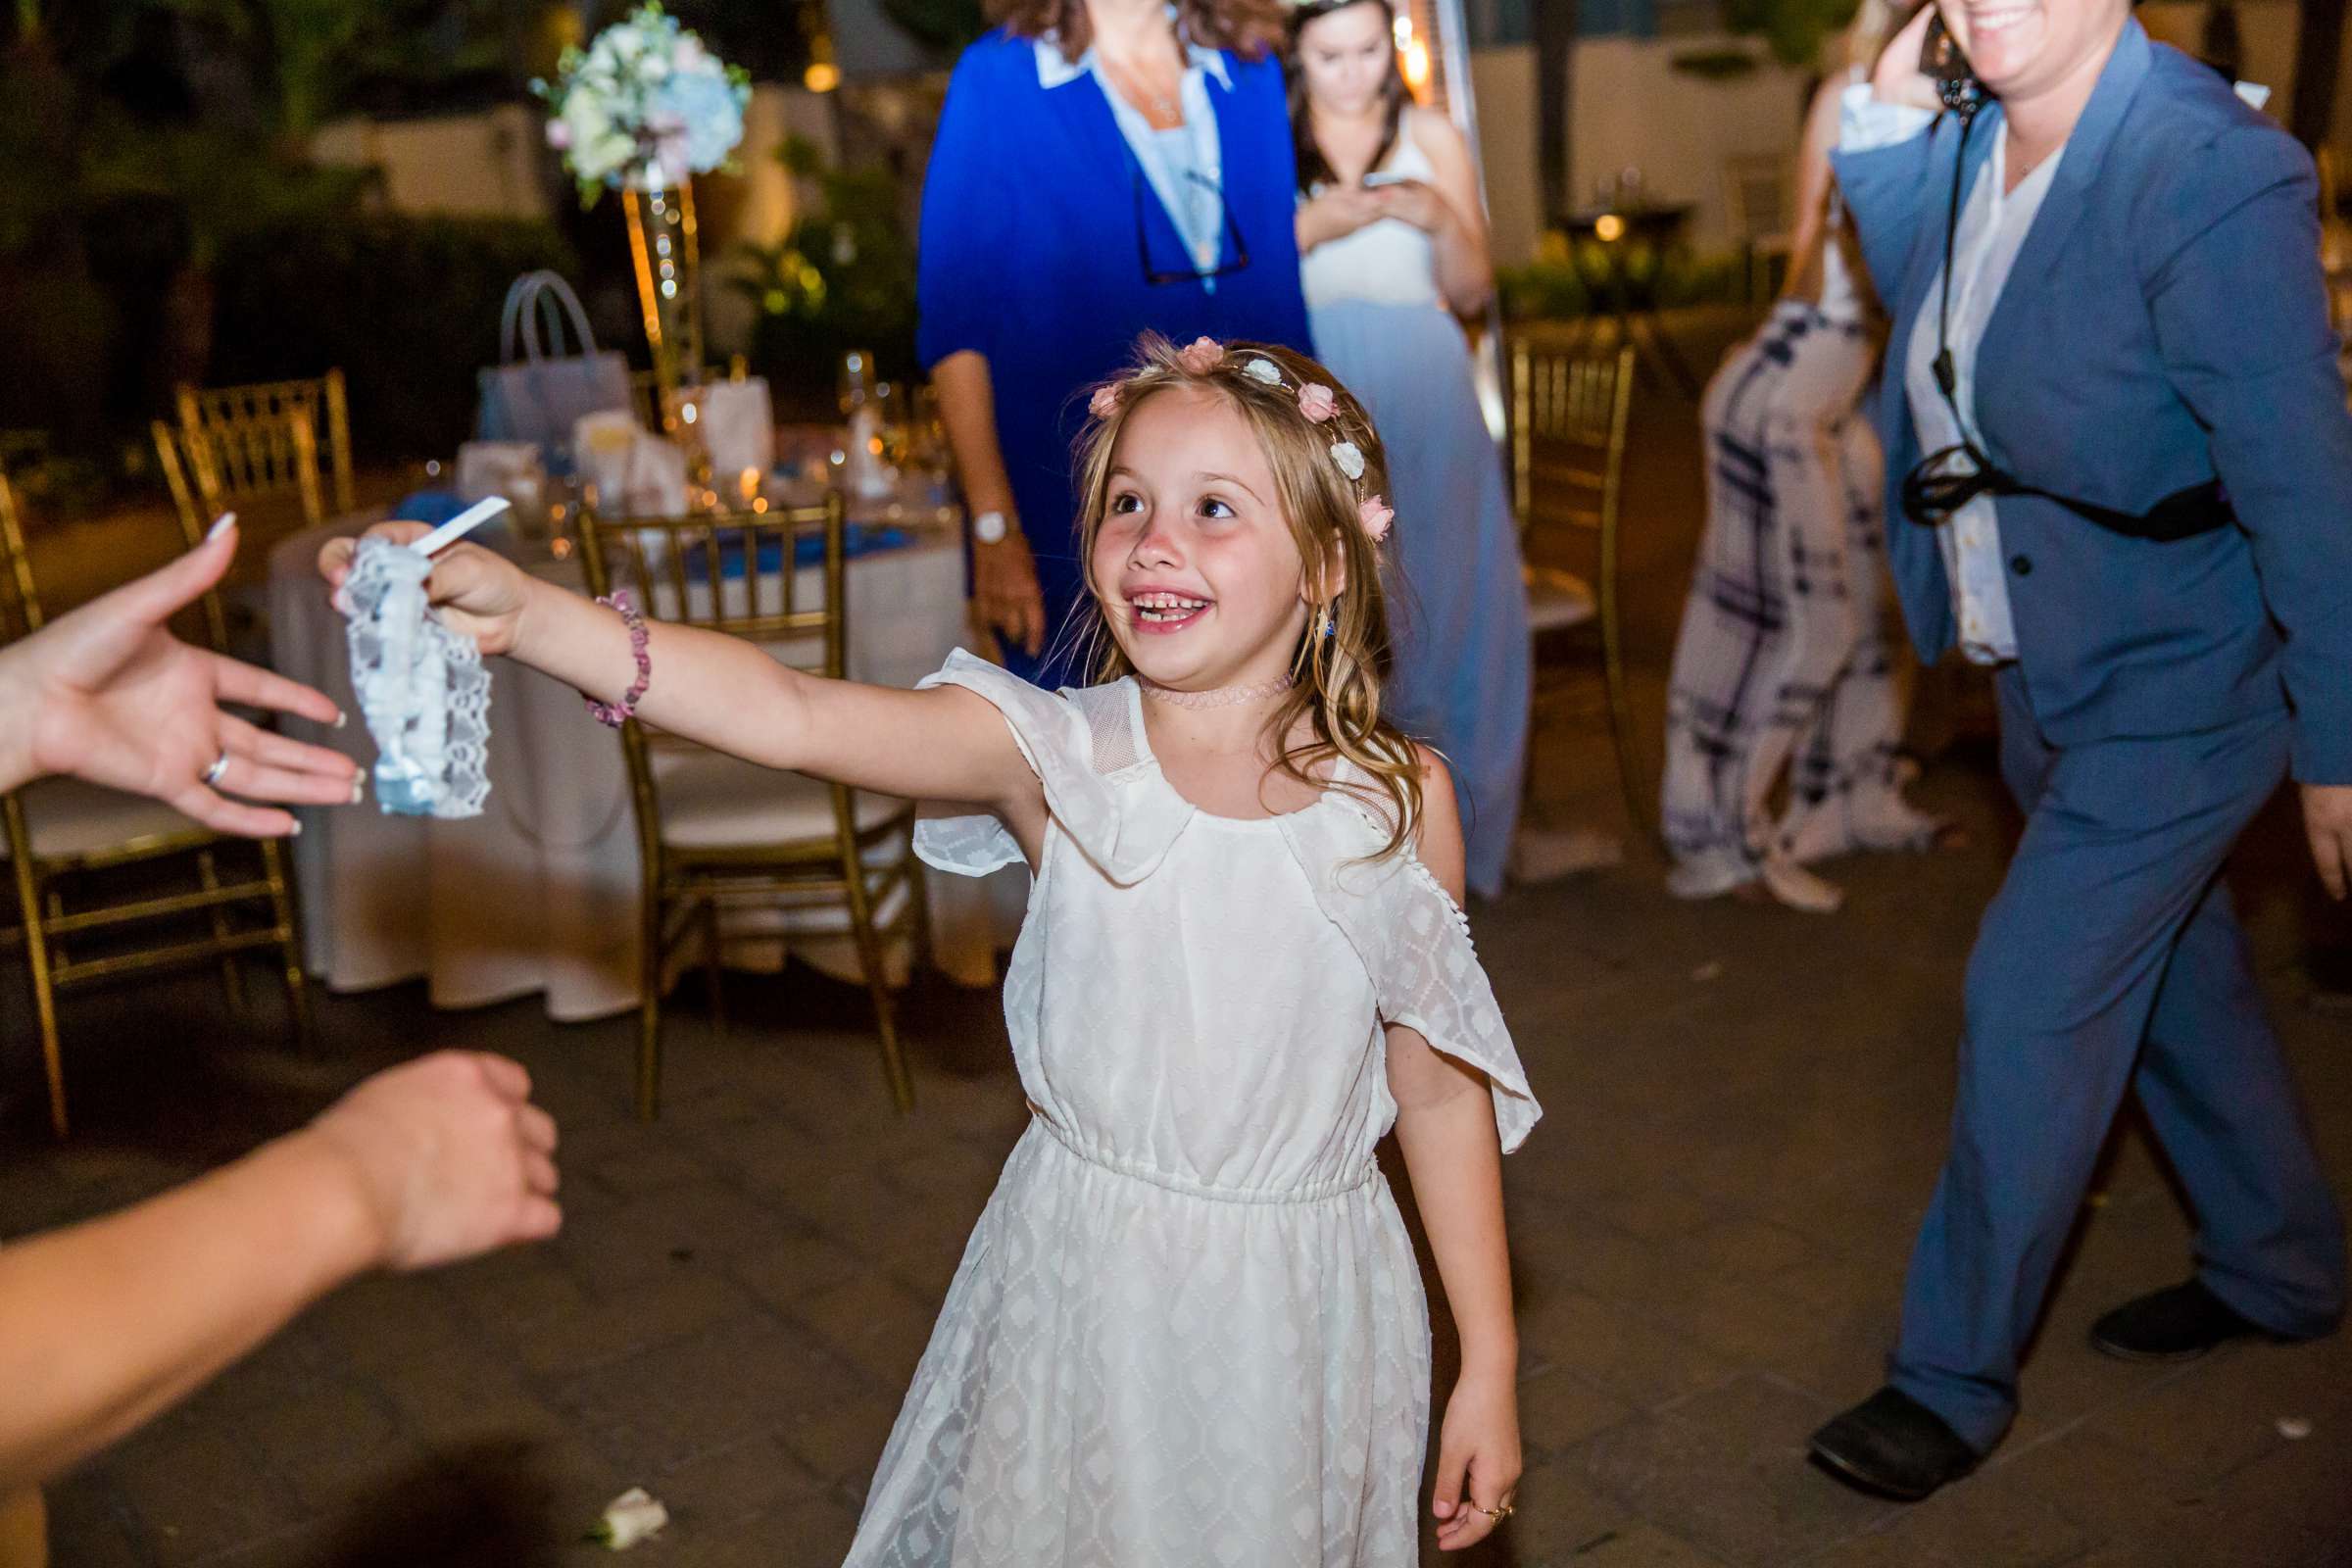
2178 1324
1893 1445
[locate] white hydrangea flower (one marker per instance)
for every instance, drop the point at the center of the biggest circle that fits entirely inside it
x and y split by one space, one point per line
1263 371
1350 459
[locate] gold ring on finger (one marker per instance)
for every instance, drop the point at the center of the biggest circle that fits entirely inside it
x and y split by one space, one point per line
1500 1512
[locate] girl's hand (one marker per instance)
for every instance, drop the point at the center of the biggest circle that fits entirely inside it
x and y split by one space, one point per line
1337 214
1897 78
1477 1459
107 694
480 594
1417 203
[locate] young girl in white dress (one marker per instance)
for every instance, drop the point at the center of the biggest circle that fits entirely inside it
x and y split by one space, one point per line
1189 1327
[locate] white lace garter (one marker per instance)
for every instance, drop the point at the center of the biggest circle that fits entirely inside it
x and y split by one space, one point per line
421 688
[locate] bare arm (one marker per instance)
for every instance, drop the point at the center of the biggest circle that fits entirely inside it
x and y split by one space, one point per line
724 693
111 1322
967 406
1445 1128
1813 180
1465 269
1004 574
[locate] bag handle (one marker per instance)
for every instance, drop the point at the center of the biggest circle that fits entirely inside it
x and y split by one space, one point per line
534 299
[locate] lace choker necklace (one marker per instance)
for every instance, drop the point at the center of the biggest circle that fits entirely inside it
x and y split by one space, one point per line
1221 697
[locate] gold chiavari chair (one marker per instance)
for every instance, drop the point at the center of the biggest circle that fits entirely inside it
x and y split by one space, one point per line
1569 411
260 443
717 833
61 834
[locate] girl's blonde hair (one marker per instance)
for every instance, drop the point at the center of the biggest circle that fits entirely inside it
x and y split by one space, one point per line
1336 518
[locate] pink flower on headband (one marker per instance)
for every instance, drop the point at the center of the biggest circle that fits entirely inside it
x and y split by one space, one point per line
1317 402
1375 515
1105 401
1202 356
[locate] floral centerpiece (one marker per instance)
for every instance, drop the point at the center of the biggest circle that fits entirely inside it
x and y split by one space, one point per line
643 110
644 107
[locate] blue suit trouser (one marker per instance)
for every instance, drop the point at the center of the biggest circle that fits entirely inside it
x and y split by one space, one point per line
2111 959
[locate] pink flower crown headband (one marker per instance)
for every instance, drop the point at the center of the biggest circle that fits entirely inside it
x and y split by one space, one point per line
1316 401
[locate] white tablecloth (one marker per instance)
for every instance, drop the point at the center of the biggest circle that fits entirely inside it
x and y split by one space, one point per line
541 892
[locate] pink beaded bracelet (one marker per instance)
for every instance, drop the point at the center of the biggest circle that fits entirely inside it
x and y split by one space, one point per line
615 715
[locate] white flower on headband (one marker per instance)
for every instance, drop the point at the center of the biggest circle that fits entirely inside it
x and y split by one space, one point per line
1373 512
1263 371
1200 356
1105 401
1350 459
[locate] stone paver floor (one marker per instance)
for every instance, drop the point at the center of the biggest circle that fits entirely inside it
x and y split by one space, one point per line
1747 1109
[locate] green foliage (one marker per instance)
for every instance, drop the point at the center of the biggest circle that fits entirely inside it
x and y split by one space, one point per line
1794 30
946 25
1561 286
844 277
407 306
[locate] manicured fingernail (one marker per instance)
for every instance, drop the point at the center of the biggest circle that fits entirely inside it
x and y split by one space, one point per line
221 525
295 831
341 718
358 789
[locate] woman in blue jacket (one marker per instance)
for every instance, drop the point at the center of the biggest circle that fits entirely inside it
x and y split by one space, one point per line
1102 167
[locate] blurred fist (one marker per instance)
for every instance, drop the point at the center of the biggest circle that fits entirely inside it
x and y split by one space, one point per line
449 1157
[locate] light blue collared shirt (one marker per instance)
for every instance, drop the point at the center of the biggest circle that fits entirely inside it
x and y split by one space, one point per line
1993 225
1185 166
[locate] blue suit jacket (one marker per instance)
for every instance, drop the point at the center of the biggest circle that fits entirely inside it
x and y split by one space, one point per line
1029 253
2165 323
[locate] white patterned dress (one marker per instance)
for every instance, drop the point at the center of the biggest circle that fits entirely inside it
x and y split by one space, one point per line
1189 1328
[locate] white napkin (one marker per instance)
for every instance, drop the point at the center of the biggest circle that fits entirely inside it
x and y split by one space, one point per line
737 423
636 474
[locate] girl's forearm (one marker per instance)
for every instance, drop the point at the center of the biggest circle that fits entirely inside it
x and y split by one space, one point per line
110 1322
1455 1161
707 686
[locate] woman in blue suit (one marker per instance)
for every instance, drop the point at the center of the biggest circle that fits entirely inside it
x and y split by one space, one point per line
1102 167
2123 481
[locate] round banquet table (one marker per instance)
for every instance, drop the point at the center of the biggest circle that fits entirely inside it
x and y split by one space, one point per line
540 893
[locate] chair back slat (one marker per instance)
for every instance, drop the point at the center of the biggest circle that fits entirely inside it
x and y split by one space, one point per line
1568 418
20 603
736 572
264 439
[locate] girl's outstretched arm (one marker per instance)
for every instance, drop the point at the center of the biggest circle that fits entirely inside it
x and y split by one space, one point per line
1446 1127
726 694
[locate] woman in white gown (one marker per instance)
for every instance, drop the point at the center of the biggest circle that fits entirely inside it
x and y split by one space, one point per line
1393 236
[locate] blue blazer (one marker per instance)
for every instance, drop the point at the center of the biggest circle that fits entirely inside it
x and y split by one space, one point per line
1029 254
2166 322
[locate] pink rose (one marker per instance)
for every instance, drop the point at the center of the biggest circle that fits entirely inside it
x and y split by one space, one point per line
1317 402
1375 515
1204 355
1105 401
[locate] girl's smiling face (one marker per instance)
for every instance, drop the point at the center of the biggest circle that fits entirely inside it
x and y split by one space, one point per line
1195 564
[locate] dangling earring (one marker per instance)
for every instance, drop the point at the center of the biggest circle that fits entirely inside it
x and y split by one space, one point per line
1325 626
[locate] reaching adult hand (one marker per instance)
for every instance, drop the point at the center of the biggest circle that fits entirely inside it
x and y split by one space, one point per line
449 1156
107 694
1005 583
2327 823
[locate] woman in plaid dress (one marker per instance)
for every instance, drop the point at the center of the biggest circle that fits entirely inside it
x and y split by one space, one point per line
1781 670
